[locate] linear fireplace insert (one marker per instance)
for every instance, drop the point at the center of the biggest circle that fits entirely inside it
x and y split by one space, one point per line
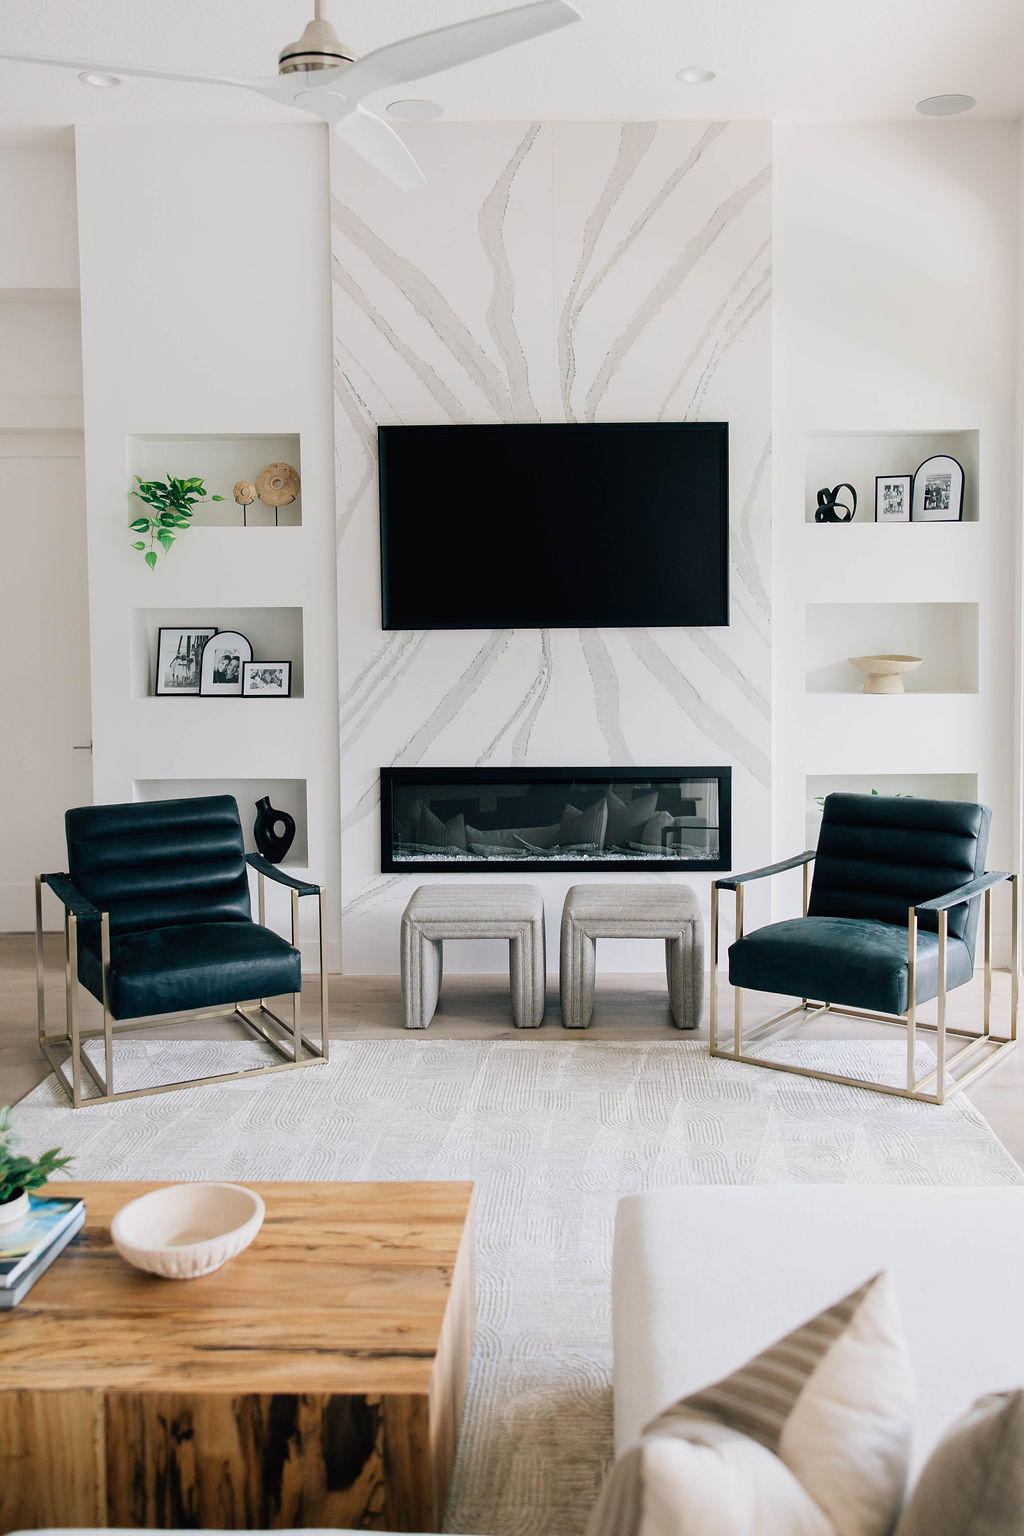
555 818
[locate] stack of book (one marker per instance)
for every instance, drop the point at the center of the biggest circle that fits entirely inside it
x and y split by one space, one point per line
28 1250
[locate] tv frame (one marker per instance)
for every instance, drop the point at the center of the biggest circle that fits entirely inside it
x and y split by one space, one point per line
721 428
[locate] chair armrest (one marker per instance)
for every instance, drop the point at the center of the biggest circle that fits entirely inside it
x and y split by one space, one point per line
732 881
263 866
72 898
964 892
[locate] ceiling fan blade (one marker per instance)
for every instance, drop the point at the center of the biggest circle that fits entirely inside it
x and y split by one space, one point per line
381 147
93 67
430 52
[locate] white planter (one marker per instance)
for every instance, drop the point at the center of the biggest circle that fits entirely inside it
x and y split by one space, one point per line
14 1212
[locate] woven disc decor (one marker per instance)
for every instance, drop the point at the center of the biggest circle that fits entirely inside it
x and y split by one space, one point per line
277 485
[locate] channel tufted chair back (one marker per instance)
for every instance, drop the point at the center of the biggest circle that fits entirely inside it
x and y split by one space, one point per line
879 855
161 864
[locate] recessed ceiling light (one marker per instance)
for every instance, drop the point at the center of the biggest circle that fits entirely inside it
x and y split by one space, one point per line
696 74
945 106
414 110
90 77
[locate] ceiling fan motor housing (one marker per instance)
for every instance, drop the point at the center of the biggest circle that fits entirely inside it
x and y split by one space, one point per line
317 48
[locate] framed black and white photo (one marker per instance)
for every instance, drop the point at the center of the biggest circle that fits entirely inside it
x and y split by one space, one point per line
179 659
223 659
266 679
938 491
892 498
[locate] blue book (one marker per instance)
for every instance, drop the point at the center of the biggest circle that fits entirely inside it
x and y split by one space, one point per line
11 1295
21 1246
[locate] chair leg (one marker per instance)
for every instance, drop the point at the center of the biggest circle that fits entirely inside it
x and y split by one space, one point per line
713 999
108 1017
325 1045
40 987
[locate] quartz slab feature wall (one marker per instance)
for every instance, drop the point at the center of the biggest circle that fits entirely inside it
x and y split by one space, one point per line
550 272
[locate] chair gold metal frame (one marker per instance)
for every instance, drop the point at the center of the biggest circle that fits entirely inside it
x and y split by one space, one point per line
936 1086
68 1050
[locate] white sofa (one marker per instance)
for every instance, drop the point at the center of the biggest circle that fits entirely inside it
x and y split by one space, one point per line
706 1277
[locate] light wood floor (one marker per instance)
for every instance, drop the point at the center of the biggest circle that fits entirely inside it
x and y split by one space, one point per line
628 1007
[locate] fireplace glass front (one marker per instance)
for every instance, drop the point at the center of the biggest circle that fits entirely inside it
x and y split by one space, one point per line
554 818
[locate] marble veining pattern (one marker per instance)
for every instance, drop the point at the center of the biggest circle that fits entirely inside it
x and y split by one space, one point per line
551 272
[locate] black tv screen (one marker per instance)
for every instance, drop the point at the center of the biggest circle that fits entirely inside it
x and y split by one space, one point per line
561 526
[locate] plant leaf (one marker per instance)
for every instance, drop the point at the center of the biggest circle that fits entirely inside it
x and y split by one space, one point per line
166 539
150 558
216 498
140 525
139 545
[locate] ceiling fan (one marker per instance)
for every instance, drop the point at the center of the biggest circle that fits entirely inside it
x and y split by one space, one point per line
319 75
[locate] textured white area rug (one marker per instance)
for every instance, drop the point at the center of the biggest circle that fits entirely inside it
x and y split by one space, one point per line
553 1134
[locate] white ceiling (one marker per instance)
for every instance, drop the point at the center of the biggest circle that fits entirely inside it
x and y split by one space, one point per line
792 60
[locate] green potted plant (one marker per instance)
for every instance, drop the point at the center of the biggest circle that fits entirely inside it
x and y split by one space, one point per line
19 1175
171 503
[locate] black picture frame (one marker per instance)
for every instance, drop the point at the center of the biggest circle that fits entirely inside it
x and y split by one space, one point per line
906 484
927 478
395 778
191 661
211 685
253 688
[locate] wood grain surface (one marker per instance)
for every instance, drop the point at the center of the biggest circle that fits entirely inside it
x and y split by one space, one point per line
316 1380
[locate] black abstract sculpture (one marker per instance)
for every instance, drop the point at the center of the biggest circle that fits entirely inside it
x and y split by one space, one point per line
829 506
271 843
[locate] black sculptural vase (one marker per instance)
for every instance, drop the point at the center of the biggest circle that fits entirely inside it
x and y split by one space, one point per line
274 831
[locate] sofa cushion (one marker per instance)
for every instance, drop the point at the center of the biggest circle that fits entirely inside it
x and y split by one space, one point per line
831 1401
201 965
844 960
973 1484
701 1479
702 1275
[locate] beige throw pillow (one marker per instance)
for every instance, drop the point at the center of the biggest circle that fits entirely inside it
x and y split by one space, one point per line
973 1482
810 1438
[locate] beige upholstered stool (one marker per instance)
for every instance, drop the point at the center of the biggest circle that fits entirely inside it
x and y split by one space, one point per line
669 912
438 912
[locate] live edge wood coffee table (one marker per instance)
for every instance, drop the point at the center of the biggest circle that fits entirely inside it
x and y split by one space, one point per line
318 1379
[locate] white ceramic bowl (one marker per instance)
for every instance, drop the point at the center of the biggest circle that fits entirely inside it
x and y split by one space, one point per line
187 1230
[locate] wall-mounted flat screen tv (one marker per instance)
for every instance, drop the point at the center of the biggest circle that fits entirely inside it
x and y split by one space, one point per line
561 526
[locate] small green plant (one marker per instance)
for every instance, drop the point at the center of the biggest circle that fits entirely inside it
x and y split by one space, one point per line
23 1173
172 502
819 800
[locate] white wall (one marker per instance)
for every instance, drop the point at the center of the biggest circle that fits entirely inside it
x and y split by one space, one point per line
206 309
896 291
38 238
43 604
551 272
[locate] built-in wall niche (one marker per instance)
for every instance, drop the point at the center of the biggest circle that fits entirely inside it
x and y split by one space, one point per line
944 635
220 461
285 795
831 458
275 635
928 786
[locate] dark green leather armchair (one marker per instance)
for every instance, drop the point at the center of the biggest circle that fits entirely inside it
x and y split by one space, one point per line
158 922
890 922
